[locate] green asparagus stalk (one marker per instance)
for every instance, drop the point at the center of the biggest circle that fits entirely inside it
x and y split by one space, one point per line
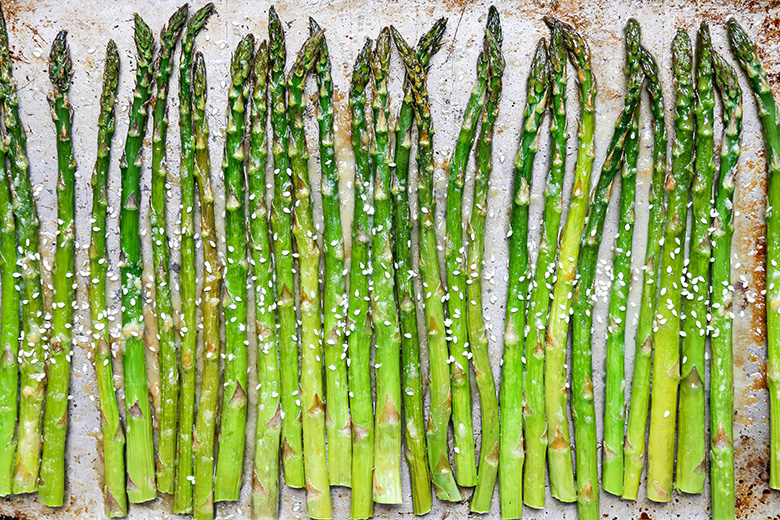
615 398
416 449
583 410
334 290
538 305
512 444
478 339
438 421
666 336
358 323
9 330
317 485
745 52
555 373
455 262
691 450
265 489
32 370
384 314
232 434
182 500
140 446
114 491
169 368
51 484
205 422
722 372
281 225
636 429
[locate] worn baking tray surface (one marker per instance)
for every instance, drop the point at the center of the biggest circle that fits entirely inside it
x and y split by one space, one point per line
34 23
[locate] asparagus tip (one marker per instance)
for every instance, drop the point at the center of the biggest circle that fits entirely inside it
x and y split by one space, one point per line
111 74
144 40
60 64
199 19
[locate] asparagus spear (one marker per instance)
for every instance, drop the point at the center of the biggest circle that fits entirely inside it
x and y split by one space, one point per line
265 489
722 375
438 421
281 209
511 448
555 373
636 429
666 336
227 483
317 485
541 286
51 484
140 447
169 369
334 290
615 399
114 491
32 370
455 263
691 449
478 339
358 323
9 330
205 425
583 409
384 314
182 500
416 456
745 52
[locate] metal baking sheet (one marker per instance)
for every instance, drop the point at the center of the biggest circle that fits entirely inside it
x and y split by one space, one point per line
34 23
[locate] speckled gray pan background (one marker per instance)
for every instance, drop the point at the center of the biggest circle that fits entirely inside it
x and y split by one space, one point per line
34 23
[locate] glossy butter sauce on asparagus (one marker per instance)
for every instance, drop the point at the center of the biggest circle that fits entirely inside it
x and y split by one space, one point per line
51 482
511 439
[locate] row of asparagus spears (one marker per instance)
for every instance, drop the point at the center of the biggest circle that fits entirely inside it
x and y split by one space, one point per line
329 325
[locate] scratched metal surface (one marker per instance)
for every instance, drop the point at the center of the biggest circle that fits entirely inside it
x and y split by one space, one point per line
33 25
